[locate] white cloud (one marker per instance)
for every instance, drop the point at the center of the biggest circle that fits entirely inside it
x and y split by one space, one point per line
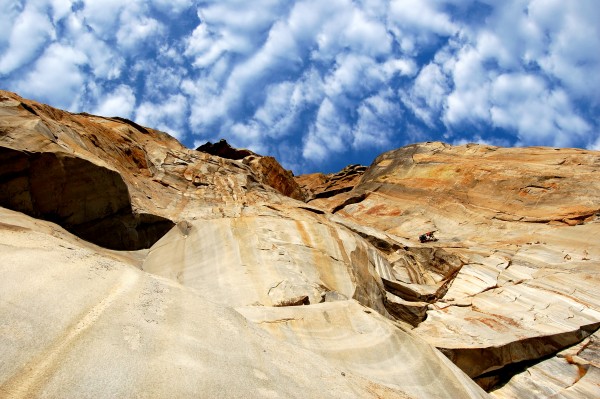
329 134
168 115
418 22
9 11
55 76
308 79
135 30
427 96
103 16
172 6
375 126
279 111
119 102
31 30
60 9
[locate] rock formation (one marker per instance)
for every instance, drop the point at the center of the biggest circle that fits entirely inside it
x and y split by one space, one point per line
319 185
186 316
516 280
135 267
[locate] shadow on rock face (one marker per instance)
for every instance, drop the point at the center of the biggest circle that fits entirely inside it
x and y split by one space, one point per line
86 199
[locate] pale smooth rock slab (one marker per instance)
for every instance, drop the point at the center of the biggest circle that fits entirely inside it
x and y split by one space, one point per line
268 260
76 322
356 339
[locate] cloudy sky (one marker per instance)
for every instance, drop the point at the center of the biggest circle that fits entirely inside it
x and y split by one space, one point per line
317 83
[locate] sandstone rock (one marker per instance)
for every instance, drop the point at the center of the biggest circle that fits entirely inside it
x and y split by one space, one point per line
511 283
522 223
80 320
271 173
356 340
573 373
268 259
318 185
267 169
81 323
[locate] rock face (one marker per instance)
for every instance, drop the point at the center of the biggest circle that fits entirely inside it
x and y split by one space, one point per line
516 281
224 254
135 267
318 185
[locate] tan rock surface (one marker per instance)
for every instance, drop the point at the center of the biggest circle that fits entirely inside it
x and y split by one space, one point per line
354 338
79 320
523 223
319 185
269 259
573 373
511 282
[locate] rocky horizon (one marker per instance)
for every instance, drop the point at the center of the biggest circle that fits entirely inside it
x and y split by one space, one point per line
133 266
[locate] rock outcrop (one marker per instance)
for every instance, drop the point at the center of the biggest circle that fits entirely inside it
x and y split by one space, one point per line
267 169
319 185
185 317
520 225
135 267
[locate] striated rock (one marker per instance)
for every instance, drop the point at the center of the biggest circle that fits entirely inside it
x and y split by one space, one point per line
271 173
84 322
521 224
267 169
267 260
357 341
81 320
318 185
573 373
220 267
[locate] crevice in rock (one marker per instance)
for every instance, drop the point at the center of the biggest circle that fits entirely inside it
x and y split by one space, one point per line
494 366
331 193
86 199
497 379
29 108
295 301
131 123
352 200
313 210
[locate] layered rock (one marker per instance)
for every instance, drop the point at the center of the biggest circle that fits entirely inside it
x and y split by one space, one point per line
268 170
522 225
319 185
160 322
78 321
226 270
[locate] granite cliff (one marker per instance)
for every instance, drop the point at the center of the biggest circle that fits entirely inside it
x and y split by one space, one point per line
135 267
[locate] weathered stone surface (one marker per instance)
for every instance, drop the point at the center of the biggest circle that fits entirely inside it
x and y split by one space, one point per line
268 259
357 340
510 285
79 320
88 199
573 373
319 185
522 222
271 173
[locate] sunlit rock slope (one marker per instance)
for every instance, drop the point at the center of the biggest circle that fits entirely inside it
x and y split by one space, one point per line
134 267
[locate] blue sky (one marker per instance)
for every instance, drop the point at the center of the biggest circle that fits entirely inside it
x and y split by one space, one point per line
317 84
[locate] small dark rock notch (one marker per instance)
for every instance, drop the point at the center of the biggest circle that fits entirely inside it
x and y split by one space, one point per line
132 124
86 199
224 150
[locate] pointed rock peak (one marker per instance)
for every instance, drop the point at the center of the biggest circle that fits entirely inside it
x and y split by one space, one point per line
224 150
